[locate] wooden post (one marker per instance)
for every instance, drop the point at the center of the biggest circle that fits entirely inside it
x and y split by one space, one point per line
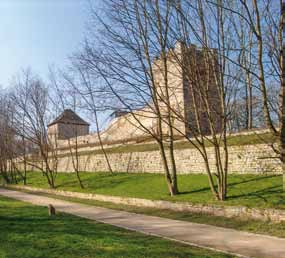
51 210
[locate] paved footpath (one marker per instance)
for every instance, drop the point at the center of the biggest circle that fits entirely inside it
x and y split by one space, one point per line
206 236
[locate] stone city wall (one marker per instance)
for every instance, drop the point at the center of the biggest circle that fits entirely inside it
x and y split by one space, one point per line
258 158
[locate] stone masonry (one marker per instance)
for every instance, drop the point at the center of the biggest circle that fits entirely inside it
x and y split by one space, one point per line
257 158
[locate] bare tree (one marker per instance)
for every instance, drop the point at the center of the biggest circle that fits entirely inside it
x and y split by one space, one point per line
94 99
282 94
31 110
126 68
209 80
263 44
66 98
7 141
141 68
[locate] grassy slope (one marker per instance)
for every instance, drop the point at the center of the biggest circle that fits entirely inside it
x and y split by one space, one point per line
246 190
232 141
27 231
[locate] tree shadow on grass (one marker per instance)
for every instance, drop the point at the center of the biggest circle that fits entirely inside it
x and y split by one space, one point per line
261 193
265 194
204 189
100 181
254 179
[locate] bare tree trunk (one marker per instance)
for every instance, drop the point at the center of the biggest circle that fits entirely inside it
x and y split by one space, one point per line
259 37
282 96
100 140
75 160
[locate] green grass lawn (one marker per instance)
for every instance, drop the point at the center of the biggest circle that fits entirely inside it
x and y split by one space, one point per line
246 190
28 232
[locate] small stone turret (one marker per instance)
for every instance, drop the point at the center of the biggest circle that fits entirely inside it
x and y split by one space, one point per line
67 125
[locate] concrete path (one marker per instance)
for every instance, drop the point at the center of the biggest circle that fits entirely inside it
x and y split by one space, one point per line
206 236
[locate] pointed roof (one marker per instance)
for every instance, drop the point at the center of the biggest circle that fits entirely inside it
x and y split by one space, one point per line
69 117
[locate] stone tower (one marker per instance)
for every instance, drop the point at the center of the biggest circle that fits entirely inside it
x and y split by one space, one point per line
191 77
66 126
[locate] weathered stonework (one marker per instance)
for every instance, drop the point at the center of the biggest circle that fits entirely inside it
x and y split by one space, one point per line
257 158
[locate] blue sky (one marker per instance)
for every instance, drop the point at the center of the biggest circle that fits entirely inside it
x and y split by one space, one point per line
39 33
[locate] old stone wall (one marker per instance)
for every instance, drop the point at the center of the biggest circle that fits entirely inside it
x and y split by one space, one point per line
257 158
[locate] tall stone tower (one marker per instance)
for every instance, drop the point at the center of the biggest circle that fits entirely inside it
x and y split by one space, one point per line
191 79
